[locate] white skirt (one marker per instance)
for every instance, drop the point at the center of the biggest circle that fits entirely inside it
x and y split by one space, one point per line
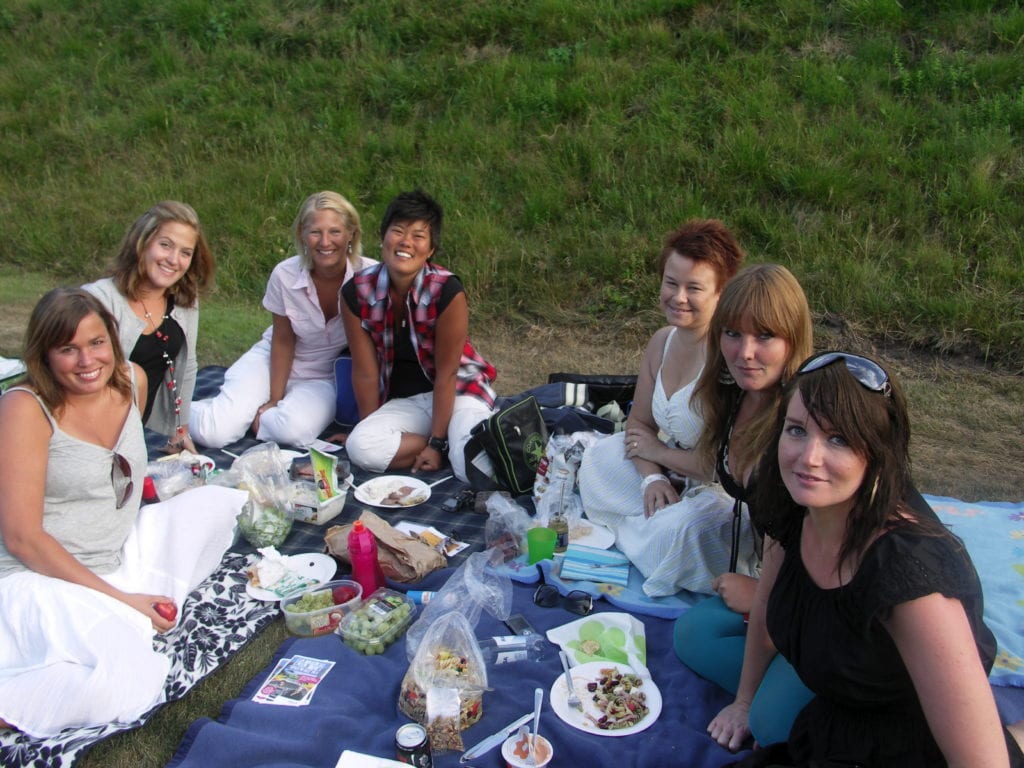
73 657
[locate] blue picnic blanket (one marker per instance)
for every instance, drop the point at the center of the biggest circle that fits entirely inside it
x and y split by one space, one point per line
994 535
355 707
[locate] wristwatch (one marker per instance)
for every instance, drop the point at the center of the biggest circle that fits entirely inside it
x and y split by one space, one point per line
439 444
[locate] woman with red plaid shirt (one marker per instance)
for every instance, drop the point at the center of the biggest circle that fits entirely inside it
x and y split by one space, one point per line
419 383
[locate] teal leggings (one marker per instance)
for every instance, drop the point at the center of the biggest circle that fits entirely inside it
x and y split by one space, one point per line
709 638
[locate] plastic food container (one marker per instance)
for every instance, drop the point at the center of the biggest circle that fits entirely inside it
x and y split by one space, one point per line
516 754
378 622
345 596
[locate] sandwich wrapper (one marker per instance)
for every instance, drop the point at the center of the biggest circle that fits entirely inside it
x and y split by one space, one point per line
402 557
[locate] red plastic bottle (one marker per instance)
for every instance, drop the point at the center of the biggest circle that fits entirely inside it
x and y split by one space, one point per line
362 549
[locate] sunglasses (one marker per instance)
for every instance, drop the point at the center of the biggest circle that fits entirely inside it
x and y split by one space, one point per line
121 480
868 373
547 596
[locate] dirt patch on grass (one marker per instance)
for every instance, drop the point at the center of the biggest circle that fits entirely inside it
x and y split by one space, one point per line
966 419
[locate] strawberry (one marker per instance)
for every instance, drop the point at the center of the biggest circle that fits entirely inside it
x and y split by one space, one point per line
167 611
342 594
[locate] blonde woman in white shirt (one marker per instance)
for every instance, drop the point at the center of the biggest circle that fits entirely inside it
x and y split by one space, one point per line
283 387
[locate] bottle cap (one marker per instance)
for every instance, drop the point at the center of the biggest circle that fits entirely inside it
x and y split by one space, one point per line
148 488
357 526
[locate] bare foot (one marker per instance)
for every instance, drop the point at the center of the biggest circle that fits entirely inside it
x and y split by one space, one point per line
4 724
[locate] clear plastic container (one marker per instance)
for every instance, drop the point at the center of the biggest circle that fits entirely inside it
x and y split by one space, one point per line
379 621
346 596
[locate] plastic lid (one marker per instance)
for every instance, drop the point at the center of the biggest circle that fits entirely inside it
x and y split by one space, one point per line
358 527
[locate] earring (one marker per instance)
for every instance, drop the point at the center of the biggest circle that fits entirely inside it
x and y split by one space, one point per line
874 491
349 249
725 377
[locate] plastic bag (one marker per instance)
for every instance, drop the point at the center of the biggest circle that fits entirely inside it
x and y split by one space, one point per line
505 529
266 518
555 486
472 588
447 658
443 712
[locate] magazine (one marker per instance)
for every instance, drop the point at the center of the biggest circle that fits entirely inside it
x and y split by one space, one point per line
293 681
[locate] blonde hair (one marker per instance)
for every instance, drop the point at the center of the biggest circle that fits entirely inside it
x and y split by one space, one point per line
53 323
765 298
329 201
129 268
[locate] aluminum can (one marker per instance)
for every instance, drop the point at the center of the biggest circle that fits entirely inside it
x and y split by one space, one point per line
412 746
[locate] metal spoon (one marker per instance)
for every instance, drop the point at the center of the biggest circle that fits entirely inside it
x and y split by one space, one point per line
538 699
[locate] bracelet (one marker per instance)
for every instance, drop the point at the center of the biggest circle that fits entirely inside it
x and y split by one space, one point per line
654 478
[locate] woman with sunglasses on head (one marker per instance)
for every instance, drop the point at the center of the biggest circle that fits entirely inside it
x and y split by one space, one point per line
164 263
623 478
79 583
876 605
283 387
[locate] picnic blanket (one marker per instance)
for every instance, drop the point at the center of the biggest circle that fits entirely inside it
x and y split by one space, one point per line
994 535
355 707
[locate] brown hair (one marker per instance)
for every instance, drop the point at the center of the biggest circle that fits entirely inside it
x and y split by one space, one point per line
876 426
706 240
128 268
765 298
54 322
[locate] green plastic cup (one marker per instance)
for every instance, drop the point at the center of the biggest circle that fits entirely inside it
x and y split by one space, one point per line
540 543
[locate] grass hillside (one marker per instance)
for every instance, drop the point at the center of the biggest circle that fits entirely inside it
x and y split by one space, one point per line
873 146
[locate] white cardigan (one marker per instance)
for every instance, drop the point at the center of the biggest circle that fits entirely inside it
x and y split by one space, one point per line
130 326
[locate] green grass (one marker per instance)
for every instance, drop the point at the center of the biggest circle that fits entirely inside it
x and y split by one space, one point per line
872 146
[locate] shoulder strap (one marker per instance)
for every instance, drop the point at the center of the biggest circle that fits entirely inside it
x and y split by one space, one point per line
49 416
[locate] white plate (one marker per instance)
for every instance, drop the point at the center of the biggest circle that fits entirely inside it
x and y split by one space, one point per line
599 536
315 565
589 673
374 491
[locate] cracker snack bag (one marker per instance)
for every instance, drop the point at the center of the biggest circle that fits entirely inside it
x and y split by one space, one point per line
448 658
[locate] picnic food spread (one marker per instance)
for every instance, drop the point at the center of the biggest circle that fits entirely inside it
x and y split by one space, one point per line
619 699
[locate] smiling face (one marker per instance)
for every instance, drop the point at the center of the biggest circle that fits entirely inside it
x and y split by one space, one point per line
819 468
689 292
167 257
756 359
84 364
327 239
406 248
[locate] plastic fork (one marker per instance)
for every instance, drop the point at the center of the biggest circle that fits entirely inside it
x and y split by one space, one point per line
573 700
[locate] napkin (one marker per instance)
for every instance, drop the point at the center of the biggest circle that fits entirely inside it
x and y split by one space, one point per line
609 636
592 564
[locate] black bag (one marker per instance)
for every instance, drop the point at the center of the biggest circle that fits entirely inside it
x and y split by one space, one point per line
602 388
515 439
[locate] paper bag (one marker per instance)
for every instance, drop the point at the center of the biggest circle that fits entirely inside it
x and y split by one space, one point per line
402 557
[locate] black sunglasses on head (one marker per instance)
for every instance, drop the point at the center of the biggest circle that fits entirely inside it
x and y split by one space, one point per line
547 596
121 480
867 372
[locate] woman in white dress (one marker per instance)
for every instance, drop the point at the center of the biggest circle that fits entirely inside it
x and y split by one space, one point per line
85 577
624 479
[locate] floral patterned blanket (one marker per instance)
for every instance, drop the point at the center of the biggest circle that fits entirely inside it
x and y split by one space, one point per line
218 618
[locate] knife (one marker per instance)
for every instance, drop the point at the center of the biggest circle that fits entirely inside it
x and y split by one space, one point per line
482 748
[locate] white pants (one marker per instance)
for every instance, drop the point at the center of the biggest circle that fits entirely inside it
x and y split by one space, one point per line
305 411
71 656
374 441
